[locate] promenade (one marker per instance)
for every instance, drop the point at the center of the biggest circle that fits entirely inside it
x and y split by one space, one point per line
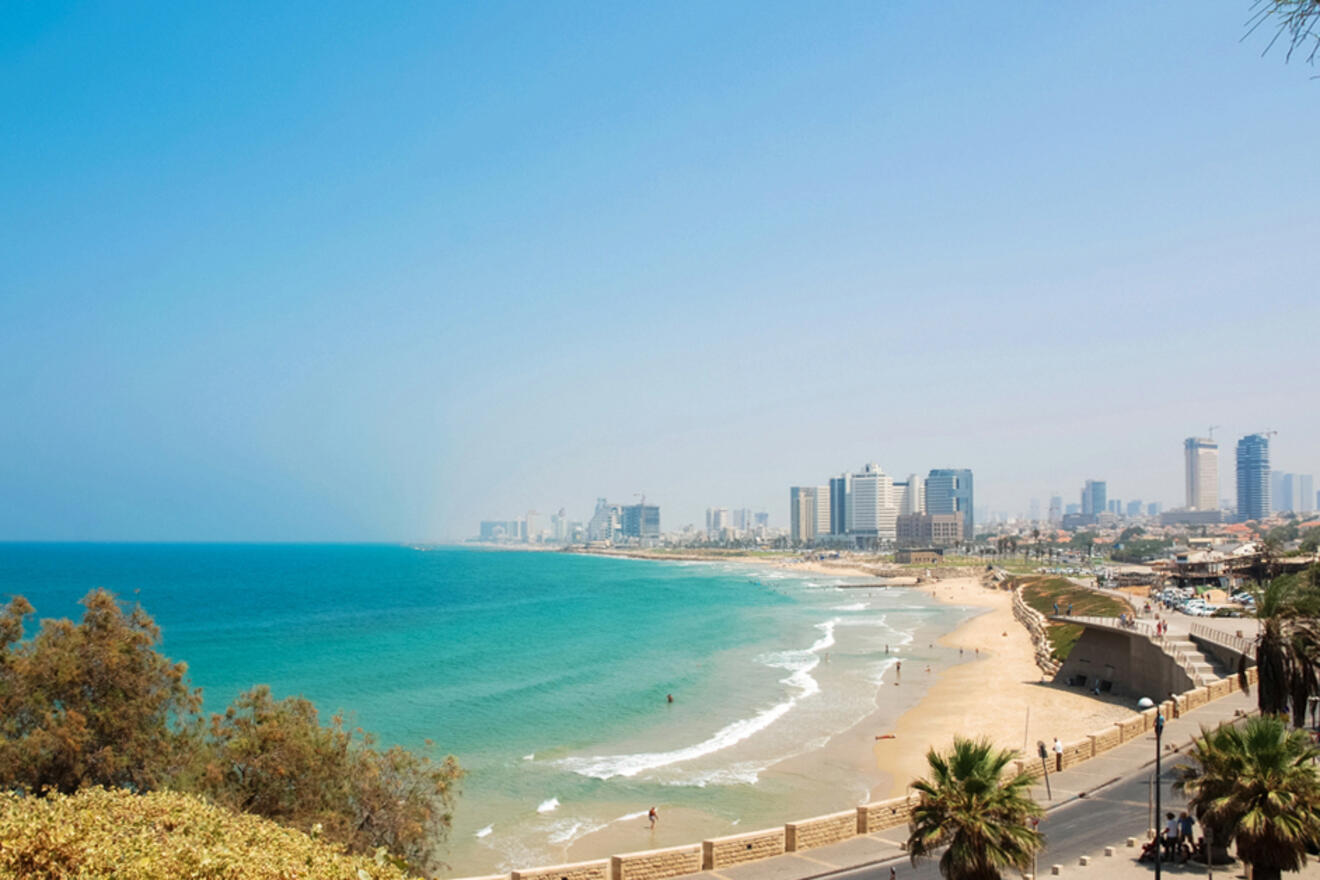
1070 788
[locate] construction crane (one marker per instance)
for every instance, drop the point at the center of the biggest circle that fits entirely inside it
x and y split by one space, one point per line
1212 430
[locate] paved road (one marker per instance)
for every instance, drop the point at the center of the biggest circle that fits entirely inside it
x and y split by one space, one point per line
1081 827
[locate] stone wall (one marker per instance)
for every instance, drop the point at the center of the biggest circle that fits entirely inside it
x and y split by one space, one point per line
1105 739
822 830
657 864
884 814
597 870
737 848
1077 752
1037 627
1131 728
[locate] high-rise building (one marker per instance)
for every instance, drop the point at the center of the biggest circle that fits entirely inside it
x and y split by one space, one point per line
1305 493
761 519
1056 509
1201 467
1281 491
840 487
1134 508
910 495
604 523
949 490
1115 506
802 514
717 520
822 510
1094 502
640 521
1153 509
872 508
1253 477
1072 510
1033 510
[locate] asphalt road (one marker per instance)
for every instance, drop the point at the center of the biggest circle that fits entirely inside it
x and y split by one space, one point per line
1083 827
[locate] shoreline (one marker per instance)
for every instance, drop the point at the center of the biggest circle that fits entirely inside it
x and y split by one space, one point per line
992 689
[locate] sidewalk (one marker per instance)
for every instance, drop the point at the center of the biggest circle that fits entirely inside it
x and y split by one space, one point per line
1066 786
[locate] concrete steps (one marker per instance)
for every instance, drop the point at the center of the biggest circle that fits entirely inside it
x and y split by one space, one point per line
1201 669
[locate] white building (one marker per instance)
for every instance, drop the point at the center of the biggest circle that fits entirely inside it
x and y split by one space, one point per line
1201 458
802 514
822 510
872 509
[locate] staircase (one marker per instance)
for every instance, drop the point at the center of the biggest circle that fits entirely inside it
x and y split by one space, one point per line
1200 668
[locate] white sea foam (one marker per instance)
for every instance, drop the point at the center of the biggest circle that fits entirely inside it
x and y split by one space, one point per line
565 832
529 757
856 606
548 806
799 663
628 817
485 831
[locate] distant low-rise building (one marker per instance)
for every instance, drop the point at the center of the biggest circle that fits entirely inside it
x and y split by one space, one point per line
924 556
930 529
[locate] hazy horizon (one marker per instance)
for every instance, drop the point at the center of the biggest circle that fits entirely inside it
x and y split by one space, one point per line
328 273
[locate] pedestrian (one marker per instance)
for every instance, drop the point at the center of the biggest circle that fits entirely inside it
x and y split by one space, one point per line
1070 609
1058 755
1185 828
1170 833
893 874
1056 608
655 817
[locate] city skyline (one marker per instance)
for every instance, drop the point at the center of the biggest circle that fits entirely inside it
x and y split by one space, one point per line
366 275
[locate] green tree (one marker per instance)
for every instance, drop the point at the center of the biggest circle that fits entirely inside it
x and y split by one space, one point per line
275 759
1257 785
982 817
91 703
1288 646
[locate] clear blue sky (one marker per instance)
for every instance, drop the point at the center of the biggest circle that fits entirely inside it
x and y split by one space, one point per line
339 271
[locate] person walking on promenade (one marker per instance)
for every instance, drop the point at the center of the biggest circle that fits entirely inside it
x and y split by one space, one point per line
1058 755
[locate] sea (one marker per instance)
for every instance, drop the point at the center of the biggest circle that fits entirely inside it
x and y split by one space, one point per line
547 674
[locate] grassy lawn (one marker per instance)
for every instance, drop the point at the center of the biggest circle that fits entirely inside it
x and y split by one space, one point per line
1042 592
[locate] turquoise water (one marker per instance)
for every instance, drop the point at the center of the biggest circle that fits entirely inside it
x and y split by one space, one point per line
546 674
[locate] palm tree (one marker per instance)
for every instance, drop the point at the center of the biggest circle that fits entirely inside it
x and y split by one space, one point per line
1257 784
1288 646
983 817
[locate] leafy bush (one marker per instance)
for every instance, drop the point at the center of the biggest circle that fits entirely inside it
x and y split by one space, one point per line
162 836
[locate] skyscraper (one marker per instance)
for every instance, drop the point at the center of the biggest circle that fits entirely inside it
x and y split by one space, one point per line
802 514
872 509
1056 509
949 490
1305 493
1201 466
1094 500
839 488
822 511
1253 477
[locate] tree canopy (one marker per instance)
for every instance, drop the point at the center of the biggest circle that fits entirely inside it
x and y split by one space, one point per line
95 704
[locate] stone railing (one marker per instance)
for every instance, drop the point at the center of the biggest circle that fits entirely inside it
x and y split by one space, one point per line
1037 627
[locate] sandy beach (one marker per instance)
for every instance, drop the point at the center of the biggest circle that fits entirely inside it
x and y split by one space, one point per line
997 693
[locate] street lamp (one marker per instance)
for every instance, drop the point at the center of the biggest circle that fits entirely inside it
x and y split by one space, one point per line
1147 703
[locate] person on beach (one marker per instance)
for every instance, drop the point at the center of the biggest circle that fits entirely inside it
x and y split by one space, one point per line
654 817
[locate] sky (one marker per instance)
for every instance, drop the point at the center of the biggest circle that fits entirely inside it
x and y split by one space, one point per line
375 272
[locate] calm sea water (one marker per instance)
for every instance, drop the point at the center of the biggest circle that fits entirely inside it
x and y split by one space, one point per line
546 674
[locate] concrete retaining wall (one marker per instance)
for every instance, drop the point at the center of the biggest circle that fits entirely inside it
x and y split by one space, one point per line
1105 739
822 830
657 864
735 849
884 814
597 870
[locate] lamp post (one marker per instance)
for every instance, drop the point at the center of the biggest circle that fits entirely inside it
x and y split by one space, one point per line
1147 703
